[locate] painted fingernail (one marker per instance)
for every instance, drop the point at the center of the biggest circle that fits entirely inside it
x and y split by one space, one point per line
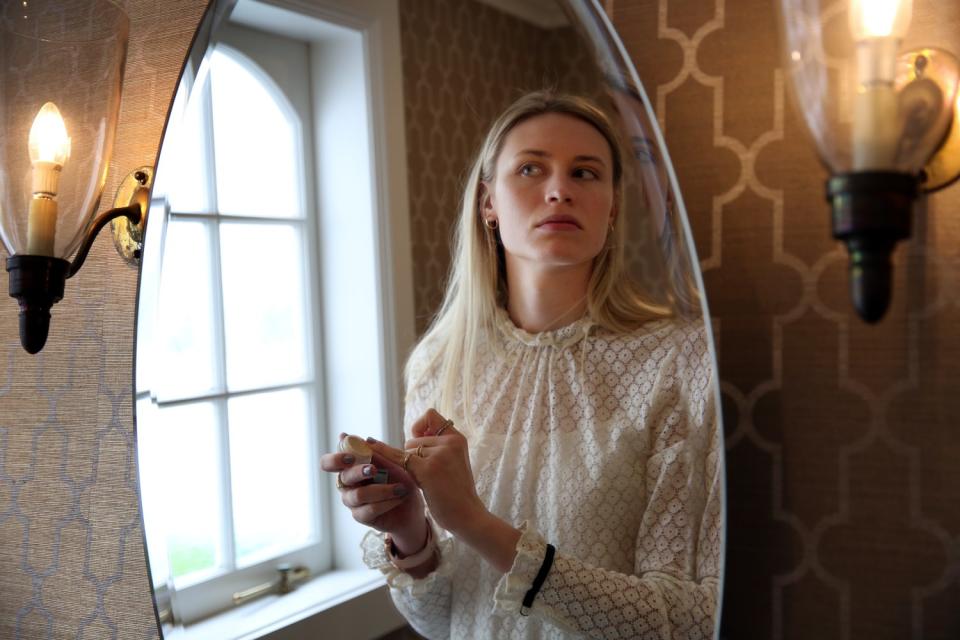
399 490
371 440
368 470
348 459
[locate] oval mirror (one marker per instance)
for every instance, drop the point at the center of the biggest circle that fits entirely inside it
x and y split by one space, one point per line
313 189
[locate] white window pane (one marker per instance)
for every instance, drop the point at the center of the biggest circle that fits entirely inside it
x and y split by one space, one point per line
273 483
151 263
183 171
257 148
265 304
186 314
181 484
153 464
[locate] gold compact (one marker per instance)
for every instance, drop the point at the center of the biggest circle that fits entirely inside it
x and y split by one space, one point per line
362 454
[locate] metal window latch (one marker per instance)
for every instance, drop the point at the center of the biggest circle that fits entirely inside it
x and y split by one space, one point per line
289 578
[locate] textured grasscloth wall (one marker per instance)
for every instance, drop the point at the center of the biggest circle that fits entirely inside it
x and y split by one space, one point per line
71 553
463 63
843 440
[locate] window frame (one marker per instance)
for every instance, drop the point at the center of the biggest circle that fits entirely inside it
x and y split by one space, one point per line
378 24
199 596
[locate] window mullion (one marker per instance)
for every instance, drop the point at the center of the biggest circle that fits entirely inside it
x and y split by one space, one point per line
228 529
222 407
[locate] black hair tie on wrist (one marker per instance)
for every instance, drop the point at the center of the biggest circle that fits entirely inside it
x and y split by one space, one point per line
539 580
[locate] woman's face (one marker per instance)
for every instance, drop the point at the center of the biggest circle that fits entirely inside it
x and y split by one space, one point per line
552 192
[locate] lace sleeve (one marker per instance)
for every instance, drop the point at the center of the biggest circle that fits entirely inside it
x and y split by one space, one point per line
673 592
425 603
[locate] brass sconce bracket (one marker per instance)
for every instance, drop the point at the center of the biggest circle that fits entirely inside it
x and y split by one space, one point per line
37 282
943 169
128 234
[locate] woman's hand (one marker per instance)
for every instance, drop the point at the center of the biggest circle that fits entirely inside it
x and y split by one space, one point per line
440 466
395 508
442 471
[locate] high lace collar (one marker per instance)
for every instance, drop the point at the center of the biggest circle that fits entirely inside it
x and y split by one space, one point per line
561 338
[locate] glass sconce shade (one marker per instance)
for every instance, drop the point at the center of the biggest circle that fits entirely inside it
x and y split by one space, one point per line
61 68
866 106
876 116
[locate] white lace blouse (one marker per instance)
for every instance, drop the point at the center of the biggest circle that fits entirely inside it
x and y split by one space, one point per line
605 445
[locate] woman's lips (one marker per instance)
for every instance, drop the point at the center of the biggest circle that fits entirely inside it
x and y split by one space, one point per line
559 223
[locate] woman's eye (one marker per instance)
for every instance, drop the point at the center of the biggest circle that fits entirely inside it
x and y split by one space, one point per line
529 170
583 172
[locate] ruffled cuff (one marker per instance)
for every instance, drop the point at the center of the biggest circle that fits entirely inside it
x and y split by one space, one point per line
375 557
531 548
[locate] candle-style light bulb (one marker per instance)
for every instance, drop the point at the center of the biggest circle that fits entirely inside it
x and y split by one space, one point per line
49 147
879 18
48 141
878 27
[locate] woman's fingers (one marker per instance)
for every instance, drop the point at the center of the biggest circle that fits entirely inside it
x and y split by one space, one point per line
372 493
336 461
370 512
406 461
391 454
425 441
431 423
357 474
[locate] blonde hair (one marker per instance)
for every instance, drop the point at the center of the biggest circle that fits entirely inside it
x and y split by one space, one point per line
477 283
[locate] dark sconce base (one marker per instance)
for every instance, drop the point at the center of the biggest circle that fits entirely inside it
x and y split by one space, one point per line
871 213
37 283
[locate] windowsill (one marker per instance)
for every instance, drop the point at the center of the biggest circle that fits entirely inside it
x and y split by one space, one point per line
356 603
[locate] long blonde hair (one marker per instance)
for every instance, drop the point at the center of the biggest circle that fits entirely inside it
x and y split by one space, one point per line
477 283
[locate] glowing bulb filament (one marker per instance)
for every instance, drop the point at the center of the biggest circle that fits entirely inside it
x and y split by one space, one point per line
48 140
879 18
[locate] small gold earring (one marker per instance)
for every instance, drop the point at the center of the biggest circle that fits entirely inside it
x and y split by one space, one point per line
491 223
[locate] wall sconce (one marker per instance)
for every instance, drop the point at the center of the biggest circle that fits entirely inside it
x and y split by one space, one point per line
877 117
61 69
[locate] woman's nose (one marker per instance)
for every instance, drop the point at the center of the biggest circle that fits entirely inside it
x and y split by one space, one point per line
558 191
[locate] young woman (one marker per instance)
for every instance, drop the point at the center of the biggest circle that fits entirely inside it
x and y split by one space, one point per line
562 476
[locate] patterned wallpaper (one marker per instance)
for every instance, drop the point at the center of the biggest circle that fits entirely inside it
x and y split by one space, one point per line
71 554
842 438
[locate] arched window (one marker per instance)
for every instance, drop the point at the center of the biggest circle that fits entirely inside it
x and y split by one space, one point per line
229 435
282 311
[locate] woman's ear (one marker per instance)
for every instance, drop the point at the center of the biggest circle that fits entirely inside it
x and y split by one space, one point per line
486 198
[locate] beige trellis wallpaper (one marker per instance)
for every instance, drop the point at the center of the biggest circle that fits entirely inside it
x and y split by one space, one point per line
71 553
843 439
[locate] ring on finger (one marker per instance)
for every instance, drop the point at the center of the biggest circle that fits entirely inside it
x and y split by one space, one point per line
340 484
420 451
447 423
406 460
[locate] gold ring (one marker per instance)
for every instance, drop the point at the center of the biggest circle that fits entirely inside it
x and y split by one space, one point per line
340 484
420 451
447 423
406 459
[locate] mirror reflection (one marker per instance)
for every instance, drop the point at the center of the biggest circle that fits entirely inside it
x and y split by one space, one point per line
451 232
